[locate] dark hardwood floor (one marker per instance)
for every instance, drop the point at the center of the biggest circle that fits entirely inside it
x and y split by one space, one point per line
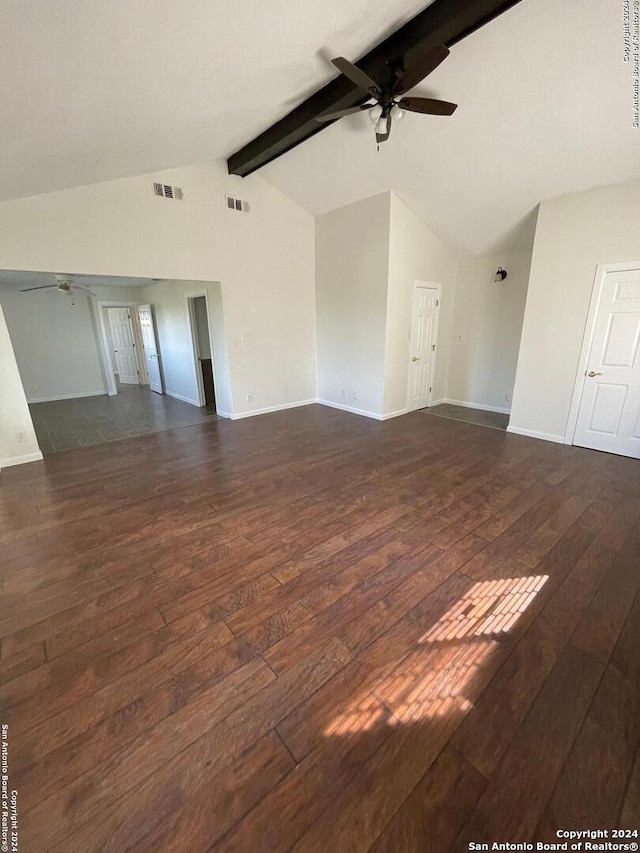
312 631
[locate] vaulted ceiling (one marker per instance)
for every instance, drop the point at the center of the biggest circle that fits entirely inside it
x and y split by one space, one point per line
92 92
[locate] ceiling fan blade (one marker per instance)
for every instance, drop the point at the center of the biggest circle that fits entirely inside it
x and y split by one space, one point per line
39 287
341 113
428 106
416 70
353 73
382 137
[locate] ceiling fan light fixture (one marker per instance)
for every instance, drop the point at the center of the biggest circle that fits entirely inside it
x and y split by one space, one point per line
375 113
500 275
397 112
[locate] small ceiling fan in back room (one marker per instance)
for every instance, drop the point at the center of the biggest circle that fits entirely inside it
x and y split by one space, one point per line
63 284
387 103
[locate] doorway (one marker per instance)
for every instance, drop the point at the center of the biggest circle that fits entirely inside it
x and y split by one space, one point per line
424 334
120 345
201 341
606 402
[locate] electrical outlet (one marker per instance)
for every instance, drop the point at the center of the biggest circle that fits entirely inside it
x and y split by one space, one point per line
507 397
21 436
249 398
344 392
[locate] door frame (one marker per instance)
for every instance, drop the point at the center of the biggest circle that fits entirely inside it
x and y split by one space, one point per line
103 348
602 270
191 320
433 285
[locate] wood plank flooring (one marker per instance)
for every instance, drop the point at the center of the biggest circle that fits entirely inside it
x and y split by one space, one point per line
310 631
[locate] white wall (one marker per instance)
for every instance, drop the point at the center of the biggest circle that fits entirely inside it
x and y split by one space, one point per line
17 438
415 255
54 340
264 260
352 268
575 233
368 257
487 325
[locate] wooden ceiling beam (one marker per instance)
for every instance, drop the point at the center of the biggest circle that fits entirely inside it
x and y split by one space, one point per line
443 22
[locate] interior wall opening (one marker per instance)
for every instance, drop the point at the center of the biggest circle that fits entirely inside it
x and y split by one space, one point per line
106 358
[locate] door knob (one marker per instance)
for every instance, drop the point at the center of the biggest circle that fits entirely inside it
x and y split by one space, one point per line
416 358
593 373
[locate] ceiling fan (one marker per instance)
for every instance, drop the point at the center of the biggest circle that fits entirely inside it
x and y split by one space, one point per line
387 101
64 283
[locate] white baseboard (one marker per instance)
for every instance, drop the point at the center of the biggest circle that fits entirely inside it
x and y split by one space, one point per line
183 399
485 407
267 411
66 396
20 460
353 410
533 433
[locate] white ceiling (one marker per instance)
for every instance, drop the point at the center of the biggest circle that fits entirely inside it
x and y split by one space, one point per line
97 91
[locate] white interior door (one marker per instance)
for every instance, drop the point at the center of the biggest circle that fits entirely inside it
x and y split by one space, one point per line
124 348
609 413
423 346
150 344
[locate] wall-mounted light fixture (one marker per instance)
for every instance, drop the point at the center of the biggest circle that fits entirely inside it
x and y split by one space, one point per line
500 274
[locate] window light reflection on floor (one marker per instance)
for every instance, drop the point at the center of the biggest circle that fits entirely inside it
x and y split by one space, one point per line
432 680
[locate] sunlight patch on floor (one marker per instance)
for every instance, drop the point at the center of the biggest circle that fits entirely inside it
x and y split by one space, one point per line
490 607
437 679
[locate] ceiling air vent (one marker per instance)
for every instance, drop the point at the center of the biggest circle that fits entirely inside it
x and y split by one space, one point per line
167 191
237 204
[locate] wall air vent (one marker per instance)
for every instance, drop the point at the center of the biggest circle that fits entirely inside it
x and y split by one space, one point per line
167 191
237 204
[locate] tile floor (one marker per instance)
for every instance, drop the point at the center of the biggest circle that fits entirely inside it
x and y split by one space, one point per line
135 410
496 420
